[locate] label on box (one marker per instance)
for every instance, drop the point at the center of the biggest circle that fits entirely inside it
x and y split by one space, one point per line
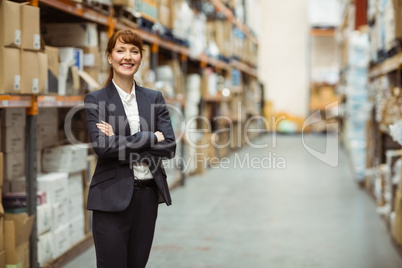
35 85
89 59
36 41
17 37
17 82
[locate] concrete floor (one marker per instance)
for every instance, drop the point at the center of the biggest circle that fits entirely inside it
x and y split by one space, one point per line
307 214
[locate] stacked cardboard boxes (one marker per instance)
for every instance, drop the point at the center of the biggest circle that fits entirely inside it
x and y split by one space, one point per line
130 4
17 229
23 68
147 8
392 23
53 217
165 13
76 207
64 189
10 42
47 131
13 122
220 32
78 50
2 252
397 225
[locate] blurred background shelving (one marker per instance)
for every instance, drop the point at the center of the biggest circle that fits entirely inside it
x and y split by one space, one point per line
62 43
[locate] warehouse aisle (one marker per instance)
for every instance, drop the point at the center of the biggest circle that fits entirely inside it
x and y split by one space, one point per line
306 214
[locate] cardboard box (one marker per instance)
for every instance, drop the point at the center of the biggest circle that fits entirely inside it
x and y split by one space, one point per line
44 218
17 184
60 215
12 139
30 27
29 72
76 205
2 232
71 34
164 16
129 3
53 69
1 168
5 189
68 80
1 205
61 241
43 73
76 230
10 73
45 248
47 115
47 135
96 75
92 57
75 184
17 229
3 258
397 226
55 185
10 24
14 165
13 117
66 158
149 8
72 56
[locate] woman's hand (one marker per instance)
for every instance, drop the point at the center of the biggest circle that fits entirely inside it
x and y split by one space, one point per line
105 128
160 136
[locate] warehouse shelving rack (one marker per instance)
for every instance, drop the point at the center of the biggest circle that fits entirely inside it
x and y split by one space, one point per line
379 139
33 102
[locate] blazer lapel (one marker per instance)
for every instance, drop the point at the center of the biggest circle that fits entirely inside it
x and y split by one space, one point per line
144 109
118 118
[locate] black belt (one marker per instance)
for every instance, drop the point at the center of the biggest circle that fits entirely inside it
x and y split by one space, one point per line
145 183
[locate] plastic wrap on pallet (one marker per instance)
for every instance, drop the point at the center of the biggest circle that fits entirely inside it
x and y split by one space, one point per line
380 20
183 21
397 172
193 97
396 132
165 80
373 32
357 104
197 38
380 97
371 9
324 13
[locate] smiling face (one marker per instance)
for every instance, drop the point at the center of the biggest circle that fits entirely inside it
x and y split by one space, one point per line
125 60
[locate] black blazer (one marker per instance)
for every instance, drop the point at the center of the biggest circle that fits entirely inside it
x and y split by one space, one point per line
112 184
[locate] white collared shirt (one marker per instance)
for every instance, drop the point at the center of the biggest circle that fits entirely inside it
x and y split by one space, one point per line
141 171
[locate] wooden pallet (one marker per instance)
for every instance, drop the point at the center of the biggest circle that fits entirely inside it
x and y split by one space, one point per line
145 22
102 7
126 15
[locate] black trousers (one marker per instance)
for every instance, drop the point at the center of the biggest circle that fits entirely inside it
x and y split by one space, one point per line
124 239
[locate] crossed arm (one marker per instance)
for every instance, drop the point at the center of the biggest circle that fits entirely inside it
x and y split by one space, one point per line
156 144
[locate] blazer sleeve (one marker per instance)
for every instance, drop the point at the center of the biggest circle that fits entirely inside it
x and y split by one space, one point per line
116 145
165 149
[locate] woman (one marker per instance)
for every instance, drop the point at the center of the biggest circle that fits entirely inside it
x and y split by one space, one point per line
130 130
